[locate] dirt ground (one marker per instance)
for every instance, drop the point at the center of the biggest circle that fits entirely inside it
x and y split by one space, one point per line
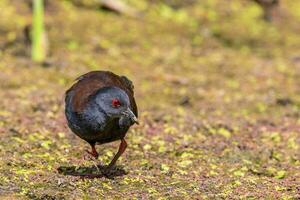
218 91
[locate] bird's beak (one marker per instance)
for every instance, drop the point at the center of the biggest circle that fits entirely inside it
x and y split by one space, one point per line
131 115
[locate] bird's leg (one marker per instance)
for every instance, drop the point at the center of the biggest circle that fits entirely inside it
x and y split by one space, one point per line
94 152
121 150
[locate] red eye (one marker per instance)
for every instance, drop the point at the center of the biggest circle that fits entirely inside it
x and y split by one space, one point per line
115 103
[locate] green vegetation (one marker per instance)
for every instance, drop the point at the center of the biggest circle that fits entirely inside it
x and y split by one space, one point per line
38 33
217 88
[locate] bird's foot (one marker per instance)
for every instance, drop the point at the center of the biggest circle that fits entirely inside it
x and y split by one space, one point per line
93 153
109 170
91 156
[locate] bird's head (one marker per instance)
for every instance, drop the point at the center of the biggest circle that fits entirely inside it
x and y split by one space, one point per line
115 103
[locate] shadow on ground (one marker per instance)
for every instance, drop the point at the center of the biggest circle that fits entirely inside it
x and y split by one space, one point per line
94 171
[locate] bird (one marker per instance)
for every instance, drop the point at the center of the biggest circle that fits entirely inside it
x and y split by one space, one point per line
269 8
100 108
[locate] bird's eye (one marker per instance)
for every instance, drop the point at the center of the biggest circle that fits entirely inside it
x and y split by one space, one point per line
115 103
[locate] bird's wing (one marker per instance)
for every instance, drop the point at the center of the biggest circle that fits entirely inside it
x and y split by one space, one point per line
91 82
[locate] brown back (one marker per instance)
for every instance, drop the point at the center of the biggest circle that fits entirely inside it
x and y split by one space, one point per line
90 82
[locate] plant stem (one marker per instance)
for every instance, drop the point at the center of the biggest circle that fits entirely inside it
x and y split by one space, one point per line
38 54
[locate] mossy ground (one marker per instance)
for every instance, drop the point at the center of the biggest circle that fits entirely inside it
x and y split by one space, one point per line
218 91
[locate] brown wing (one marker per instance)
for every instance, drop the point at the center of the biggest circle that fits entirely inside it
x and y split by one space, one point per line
89 83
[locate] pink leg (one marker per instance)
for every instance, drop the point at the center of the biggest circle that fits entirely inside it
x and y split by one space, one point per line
121 150
94 152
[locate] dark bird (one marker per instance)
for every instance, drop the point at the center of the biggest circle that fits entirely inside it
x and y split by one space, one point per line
100 108
269 8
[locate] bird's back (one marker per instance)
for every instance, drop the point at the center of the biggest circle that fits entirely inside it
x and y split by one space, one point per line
91 82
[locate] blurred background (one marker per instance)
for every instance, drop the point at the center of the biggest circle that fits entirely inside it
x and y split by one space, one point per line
217 85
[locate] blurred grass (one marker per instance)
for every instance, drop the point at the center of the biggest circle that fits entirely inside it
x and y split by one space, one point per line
38 52
217 87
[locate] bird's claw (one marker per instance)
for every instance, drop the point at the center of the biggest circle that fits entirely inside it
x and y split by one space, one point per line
92 155
108 171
